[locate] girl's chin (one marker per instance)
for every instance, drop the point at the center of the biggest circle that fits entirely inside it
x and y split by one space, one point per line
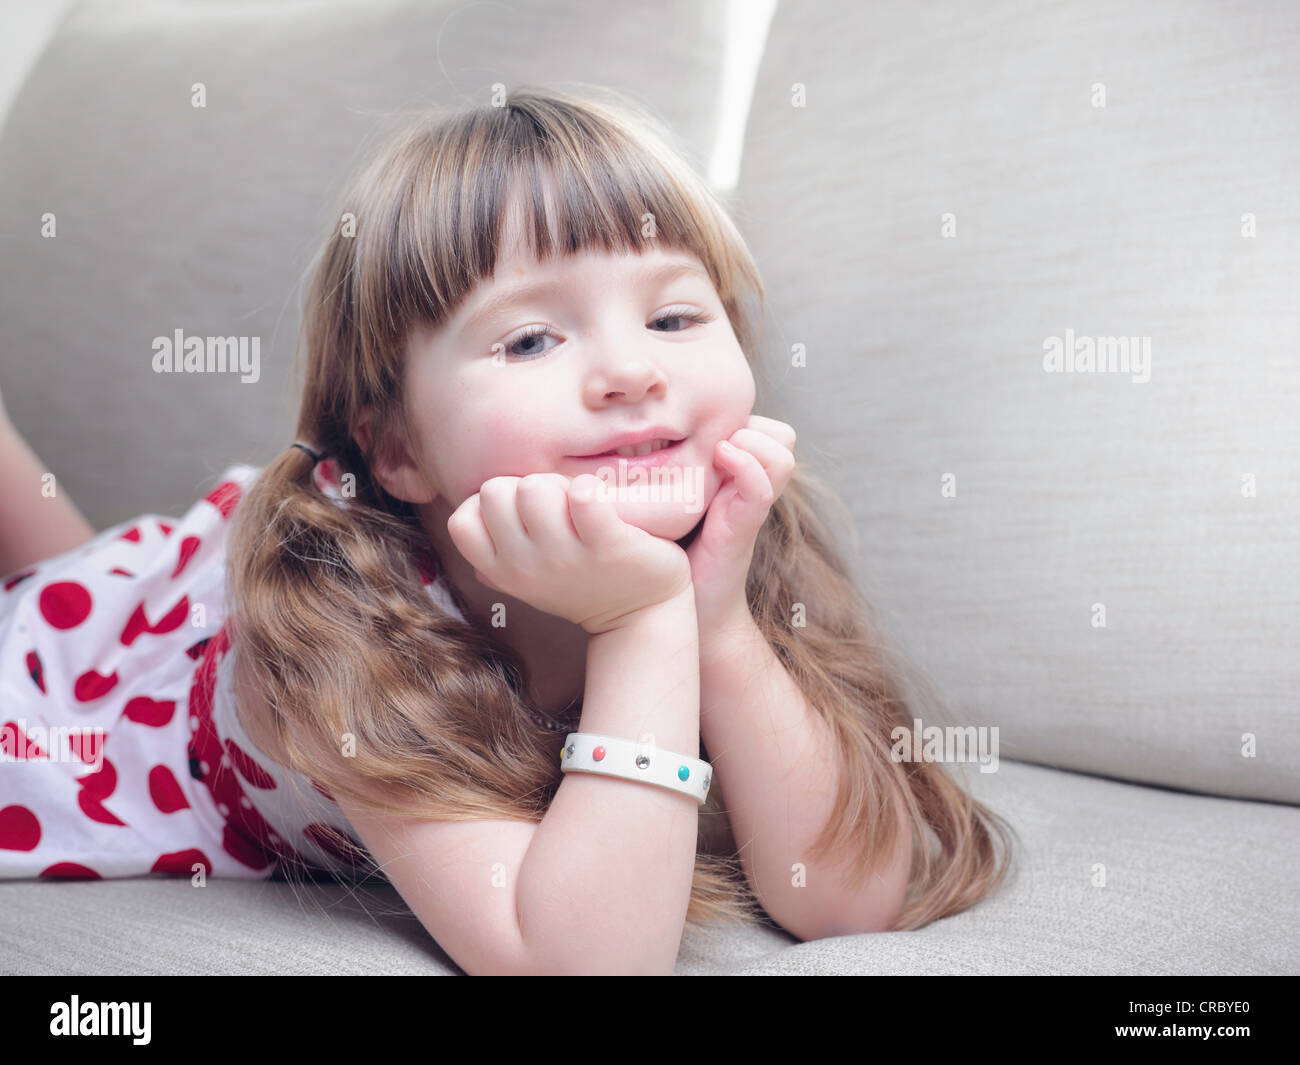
671 520
673 510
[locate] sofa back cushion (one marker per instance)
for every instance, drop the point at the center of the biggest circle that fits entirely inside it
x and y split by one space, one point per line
951 207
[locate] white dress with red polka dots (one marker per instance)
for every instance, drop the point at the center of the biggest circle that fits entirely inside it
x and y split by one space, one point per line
121 753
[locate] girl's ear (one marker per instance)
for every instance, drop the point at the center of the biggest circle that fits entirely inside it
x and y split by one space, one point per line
399 476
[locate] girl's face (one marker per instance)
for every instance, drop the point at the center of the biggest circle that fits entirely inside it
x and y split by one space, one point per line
546 364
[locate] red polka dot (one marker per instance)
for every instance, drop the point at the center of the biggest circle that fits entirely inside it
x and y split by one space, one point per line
19 829
118 571
91 686
19 577
132 534
138 623
94 809
102 782
224 497
145 711
36 670
188 546
182 863
322 791
70 871
165 790
95 788
166 529
249 769
64 604
195 651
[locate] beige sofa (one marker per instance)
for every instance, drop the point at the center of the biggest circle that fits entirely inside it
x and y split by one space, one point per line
1102 566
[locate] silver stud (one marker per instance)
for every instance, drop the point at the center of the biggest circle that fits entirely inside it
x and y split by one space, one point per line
642 761
569 750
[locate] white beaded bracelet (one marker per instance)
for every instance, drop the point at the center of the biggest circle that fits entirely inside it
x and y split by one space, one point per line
588 752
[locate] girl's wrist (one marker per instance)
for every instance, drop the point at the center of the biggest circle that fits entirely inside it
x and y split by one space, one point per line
717 610
678 606
720 634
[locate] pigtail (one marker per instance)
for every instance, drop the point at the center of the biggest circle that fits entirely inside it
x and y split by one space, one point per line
858 683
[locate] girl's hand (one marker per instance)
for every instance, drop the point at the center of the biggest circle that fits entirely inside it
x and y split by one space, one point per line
554 543
759 461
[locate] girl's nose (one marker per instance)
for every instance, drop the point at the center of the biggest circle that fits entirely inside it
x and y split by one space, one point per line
630 379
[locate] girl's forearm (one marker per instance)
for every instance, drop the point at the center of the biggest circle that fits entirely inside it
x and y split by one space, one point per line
606 883
775 758
33 524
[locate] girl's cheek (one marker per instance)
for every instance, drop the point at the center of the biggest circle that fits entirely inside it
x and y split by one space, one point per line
731 397
504 430
744 395
506 447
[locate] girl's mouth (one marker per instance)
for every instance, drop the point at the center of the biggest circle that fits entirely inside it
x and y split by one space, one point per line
651 453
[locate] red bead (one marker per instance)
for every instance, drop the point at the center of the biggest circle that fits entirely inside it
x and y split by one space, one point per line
598 754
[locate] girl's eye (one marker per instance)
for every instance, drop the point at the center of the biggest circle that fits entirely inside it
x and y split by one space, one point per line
526 335
683 314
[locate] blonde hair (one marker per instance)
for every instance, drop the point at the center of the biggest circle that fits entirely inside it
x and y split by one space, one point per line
329 615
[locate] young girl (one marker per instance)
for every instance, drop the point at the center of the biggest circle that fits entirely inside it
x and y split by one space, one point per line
461 643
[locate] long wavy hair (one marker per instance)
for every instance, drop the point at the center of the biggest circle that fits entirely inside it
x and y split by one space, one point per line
329 616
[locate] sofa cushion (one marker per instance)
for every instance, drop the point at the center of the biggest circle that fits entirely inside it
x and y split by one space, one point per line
1186 878
1003 505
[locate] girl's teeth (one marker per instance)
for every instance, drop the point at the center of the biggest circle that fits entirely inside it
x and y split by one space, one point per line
637 450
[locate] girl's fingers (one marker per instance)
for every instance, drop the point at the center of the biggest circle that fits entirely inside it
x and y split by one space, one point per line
774 458
501 515
782 432
594 517
750 478
470 535
768 451
544 509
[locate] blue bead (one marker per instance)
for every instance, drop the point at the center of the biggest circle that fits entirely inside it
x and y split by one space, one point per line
683 773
